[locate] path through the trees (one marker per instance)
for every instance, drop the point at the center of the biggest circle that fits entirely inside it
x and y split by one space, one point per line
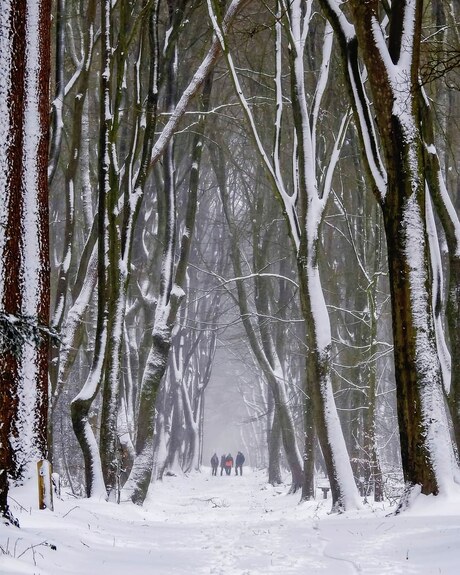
205 525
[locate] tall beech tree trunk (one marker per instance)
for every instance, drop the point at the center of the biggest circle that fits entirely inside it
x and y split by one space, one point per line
82 403
398 180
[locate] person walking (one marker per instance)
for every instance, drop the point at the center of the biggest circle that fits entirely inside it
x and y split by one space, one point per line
228 464
222 464
239 463
214 463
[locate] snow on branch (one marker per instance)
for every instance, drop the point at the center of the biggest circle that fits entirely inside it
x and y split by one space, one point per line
287 200
249 276
17 331
195 83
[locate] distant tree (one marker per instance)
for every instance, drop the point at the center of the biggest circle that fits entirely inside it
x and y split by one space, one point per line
260 335
302 185
24 265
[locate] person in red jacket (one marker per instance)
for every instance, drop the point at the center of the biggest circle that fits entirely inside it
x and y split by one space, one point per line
228 464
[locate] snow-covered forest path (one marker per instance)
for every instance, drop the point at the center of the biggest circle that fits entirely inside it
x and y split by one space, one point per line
228 526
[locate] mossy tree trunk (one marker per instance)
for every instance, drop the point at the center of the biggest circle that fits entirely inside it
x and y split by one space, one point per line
398 179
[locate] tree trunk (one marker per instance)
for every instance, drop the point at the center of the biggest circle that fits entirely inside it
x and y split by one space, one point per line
81 404
451 226
274 446
141 473
410 306
424 437
308 484
24 272
398 181
372 470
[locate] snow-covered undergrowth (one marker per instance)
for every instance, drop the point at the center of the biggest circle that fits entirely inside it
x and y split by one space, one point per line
228 526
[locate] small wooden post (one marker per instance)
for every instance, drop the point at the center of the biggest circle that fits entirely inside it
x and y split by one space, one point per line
56 482
45 492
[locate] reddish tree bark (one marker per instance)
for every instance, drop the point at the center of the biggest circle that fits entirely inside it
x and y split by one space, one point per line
27 103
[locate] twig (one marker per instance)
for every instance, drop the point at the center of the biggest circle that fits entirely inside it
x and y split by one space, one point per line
17 503
70 511
32 548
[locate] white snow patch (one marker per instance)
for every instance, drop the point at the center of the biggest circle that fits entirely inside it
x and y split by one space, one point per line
228 526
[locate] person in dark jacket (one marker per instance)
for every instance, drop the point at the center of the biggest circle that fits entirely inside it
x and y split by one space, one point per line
239 463
228 464
214 463
222 464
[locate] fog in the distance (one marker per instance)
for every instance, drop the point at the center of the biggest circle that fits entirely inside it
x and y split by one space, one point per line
226 427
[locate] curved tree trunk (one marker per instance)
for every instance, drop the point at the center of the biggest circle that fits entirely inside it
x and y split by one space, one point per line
81 404
312 202
325 417
141 473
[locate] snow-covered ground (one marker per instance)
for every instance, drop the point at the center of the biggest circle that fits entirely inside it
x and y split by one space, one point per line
228 526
